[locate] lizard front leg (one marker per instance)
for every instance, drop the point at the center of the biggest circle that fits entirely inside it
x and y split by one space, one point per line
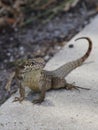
44 85
41 97
22 94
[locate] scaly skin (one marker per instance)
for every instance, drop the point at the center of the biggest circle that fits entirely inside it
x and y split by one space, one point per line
39 80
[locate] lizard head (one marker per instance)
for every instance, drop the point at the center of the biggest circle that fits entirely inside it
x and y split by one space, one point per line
30 62
26 62
34 64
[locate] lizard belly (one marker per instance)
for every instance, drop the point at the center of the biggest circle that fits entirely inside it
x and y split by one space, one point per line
31 79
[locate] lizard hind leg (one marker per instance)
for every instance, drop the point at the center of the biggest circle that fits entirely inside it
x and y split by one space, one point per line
72 86
58 83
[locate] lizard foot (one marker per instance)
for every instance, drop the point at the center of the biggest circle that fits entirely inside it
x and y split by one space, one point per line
20 99
72 86
35 101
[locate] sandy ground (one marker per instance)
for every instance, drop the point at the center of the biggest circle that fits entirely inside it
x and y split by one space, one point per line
62 109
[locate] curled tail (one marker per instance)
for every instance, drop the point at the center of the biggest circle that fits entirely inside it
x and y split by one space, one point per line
83 58
65 69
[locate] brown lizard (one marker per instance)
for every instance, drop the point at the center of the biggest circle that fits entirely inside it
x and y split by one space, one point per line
31 73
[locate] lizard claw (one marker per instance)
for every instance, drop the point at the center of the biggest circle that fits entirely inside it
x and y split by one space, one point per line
37 101
20 99
71 86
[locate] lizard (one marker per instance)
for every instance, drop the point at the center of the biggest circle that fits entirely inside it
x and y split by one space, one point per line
31 73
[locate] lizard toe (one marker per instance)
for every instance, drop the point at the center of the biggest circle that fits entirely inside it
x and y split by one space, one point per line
37 101
20 99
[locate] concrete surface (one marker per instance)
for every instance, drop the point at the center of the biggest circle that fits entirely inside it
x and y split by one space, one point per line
62 109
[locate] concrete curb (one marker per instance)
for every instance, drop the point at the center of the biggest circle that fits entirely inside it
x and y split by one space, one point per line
62 110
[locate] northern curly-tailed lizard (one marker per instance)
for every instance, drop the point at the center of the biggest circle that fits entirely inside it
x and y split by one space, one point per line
31 73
